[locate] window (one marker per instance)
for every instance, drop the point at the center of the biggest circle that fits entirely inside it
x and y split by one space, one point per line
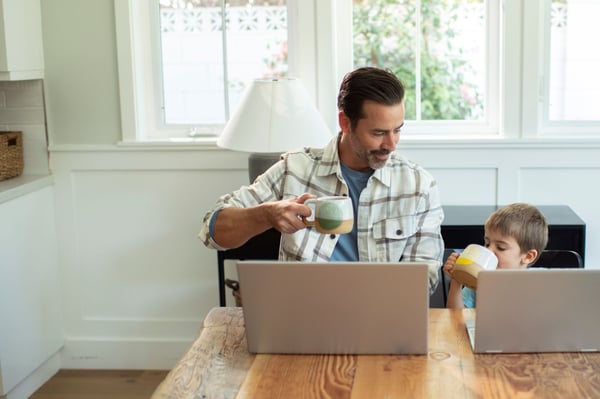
563 85
574 81
205 69
473 68
444 51
194 71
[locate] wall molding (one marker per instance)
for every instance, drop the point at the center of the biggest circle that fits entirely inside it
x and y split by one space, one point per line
137 281
86 353
406 142
36 379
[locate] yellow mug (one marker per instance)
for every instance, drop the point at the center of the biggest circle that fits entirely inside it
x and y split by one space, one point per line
470 262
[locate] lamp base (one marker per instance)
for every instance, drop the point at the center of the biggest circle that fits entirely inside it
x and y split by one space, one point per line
258 163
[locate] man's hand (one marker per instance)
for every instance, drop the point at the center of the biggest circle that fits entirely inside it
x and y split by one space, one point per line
286 215
235 226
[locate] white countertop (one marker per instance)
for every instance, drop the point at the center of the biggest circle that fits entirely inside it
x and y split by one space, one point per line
21 185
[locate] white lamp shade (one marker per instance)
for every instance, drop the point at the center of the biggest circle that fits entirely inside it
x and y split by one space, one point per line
275 115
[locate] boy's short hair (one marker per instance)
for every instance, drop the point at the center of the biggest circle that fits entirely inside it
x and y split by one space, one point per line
522 221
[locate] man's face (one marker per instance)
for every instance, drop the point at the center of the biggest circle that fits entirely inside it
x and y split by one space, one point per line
375 136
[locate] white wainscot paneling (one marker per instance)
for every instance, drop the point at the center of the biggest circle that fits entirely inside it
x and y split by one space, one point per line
541 173
136 233
575 187
137 280
463 186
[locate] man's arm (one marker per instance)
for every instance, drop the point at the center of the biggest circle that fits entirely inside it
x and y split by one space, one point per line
234 226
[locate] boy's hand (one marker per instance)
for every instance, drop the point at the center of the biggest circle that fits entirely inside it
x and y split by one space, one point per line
449 264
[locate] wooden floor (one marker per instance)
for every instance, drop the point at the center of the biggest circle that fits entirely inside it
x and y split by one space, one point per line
101 384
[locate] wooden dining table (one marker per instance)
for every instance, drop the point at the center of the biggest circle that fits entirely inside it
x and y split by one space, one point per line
218 365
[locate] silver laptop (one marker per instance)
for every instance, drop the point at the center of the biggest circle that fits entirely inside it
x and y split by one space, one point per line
335 308
536 310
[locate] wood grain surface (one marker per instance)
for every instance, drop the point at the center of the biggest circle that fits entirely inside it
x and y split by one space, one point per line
218 365
96 384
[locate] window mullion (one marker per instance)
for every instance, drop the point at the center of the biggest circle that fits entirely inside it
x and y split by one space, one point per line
511 55
224 28
532 39
418 38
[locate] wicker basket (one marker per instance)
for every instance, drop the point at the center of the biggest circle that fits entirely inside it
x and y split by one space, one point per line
11 154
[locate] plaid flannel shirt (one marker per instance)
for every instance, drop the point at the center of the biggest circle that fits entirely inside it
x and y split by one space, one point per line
399 211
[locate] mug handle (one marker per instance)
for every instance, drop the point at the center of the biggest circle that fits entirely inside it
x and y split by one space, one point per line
310 221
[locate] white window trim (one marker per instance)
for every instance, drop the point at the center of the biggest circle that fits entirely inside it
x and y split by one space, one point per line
321 32
536 72
489 128
511 72
428 130
126 63
138 85
135 63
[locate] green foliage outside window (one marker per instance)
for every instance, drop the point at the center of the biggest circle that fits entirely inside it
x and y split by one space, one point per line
385 36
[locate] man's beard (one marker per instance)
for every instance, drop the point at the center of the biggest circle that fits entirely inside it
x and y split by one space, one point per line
369 157
374 162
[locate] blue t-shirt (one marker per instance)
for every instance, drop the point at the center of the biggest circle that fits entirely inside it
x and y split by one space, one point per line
346 248
469 297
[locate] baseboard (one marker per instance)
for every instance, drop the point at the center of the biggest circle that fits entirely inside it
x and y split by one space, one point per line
121 355
36 379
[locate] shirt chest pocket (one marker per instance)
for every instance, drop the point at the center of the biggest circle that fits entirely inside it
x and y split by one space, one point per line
399 228
391 237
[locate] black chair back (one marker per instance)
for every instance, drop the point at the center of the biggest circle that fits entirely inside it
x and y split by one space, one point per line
264 246
559 259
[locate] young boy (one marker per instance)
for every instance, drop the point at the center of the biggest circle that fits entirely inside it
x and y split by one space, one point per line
516 234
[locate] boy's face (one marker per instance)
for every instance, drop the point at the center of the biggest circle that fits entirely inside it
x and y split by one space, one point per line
507 251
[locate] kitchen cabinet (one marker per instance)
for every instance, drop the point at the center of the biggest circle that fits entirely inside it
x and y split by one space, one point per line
30 300
21 49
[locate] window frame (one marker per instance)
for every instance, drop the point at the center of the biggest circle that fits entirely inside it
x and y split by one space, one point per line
138 63
536 75
460 129
320 31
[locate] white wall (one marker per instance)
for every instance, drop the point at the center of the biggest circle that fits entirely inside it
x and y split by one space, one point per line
136 280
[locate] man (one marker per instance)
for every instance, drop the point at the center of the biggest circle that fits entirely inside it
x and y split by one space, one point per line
397 208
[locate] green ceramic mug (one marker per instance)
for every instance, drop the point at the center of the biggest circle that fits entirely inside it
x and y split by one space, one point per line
330 215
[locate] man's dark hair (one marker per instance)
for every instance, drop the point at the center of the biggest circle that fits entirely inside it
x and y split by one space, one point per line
368 83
